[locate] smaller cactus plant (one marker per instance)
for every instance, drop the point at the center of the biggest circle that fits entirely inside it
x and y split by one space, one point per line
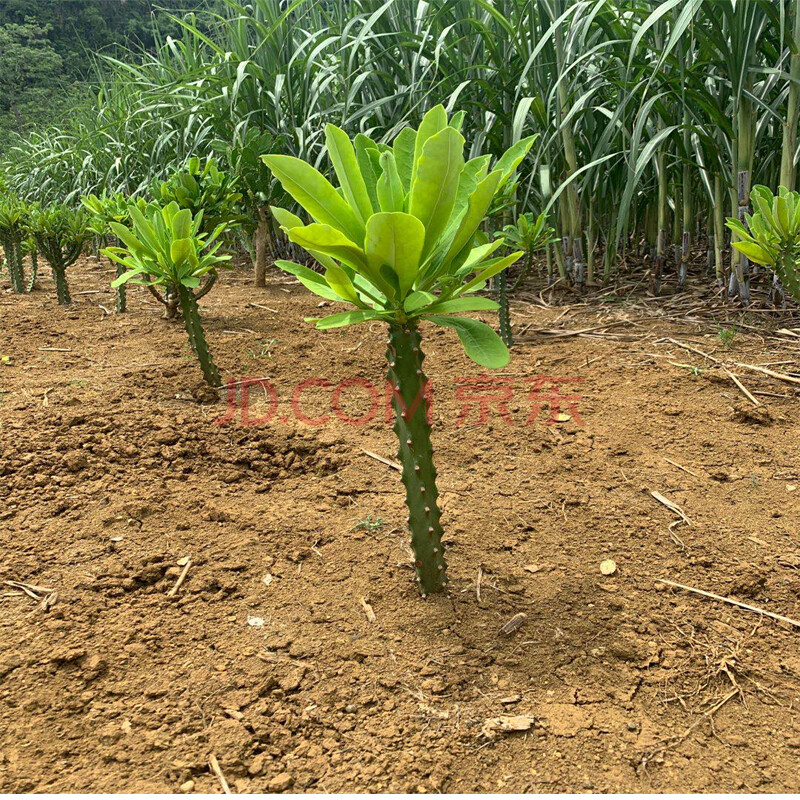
104 210
772 235
13 232
165 246
60 233
528 236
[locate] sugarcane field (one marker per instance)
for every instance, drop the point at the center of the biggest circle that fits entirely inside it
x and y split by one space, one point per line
399 397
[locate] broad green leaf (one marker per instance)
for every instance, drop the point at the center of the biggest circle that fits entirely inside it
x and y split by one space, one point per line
363 144
345 163
285 218
395 239
417 300
329 241
755 253
463 304
181 250
433 191
477 206
433 122
480 342
491 269
511 159
127 238
404 155
124 278
313 281
340 282
390 188
344 318
316 195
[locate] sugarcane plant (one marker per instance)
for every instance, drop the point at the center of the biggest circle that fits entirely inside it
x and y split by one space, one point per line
166 246
14 216
103 210
528 236
771 236
395 240
60 233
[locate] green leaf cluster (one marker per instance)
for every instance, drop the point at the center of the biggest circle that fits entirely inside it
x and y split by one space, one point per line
772 234
165 245
396 238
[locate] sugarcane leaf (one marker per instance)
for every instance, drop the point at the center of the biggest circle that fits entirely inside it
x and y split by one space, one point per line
480 342
395 240
316 195
433 191
345 163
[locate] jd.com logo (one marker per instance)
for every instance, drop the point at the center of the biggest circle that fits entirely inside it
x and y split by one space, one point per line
480 398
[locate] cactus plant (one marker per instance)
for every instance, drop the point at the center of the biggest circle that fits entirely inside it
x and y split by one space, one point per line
60 234
165 246
203 188
528 236
396 241
772 235
104 210
13 221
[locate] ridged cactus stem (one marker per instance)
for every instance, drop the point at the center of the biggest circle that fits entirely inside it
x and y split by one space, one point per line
504 315
404 355
62 290
197 337
122 293
34 270
14 260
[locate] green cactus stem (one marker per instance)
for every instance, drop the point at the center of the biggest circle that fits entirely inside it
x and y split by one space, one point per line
503 312
14 262
197 337
34 269
121 302
60 278
404 355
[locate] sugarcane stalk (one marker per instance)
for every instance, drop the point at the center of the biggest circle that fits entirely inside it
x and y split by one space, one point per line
719 232
404 356
686 233
788 171
197 337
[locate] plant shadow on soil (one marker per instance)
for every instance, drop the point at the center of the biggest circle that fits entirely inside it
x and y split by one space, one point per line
114 471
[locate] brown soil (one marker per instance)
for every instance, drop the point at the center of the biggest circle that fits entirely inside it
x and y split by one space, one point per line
113 471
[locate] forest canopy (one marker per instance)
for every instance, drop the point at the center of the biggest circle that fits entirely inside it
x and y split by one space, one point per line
48 47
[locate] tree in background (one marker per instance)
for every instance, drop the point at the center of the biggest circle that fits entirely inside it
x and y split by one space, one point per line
47 51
